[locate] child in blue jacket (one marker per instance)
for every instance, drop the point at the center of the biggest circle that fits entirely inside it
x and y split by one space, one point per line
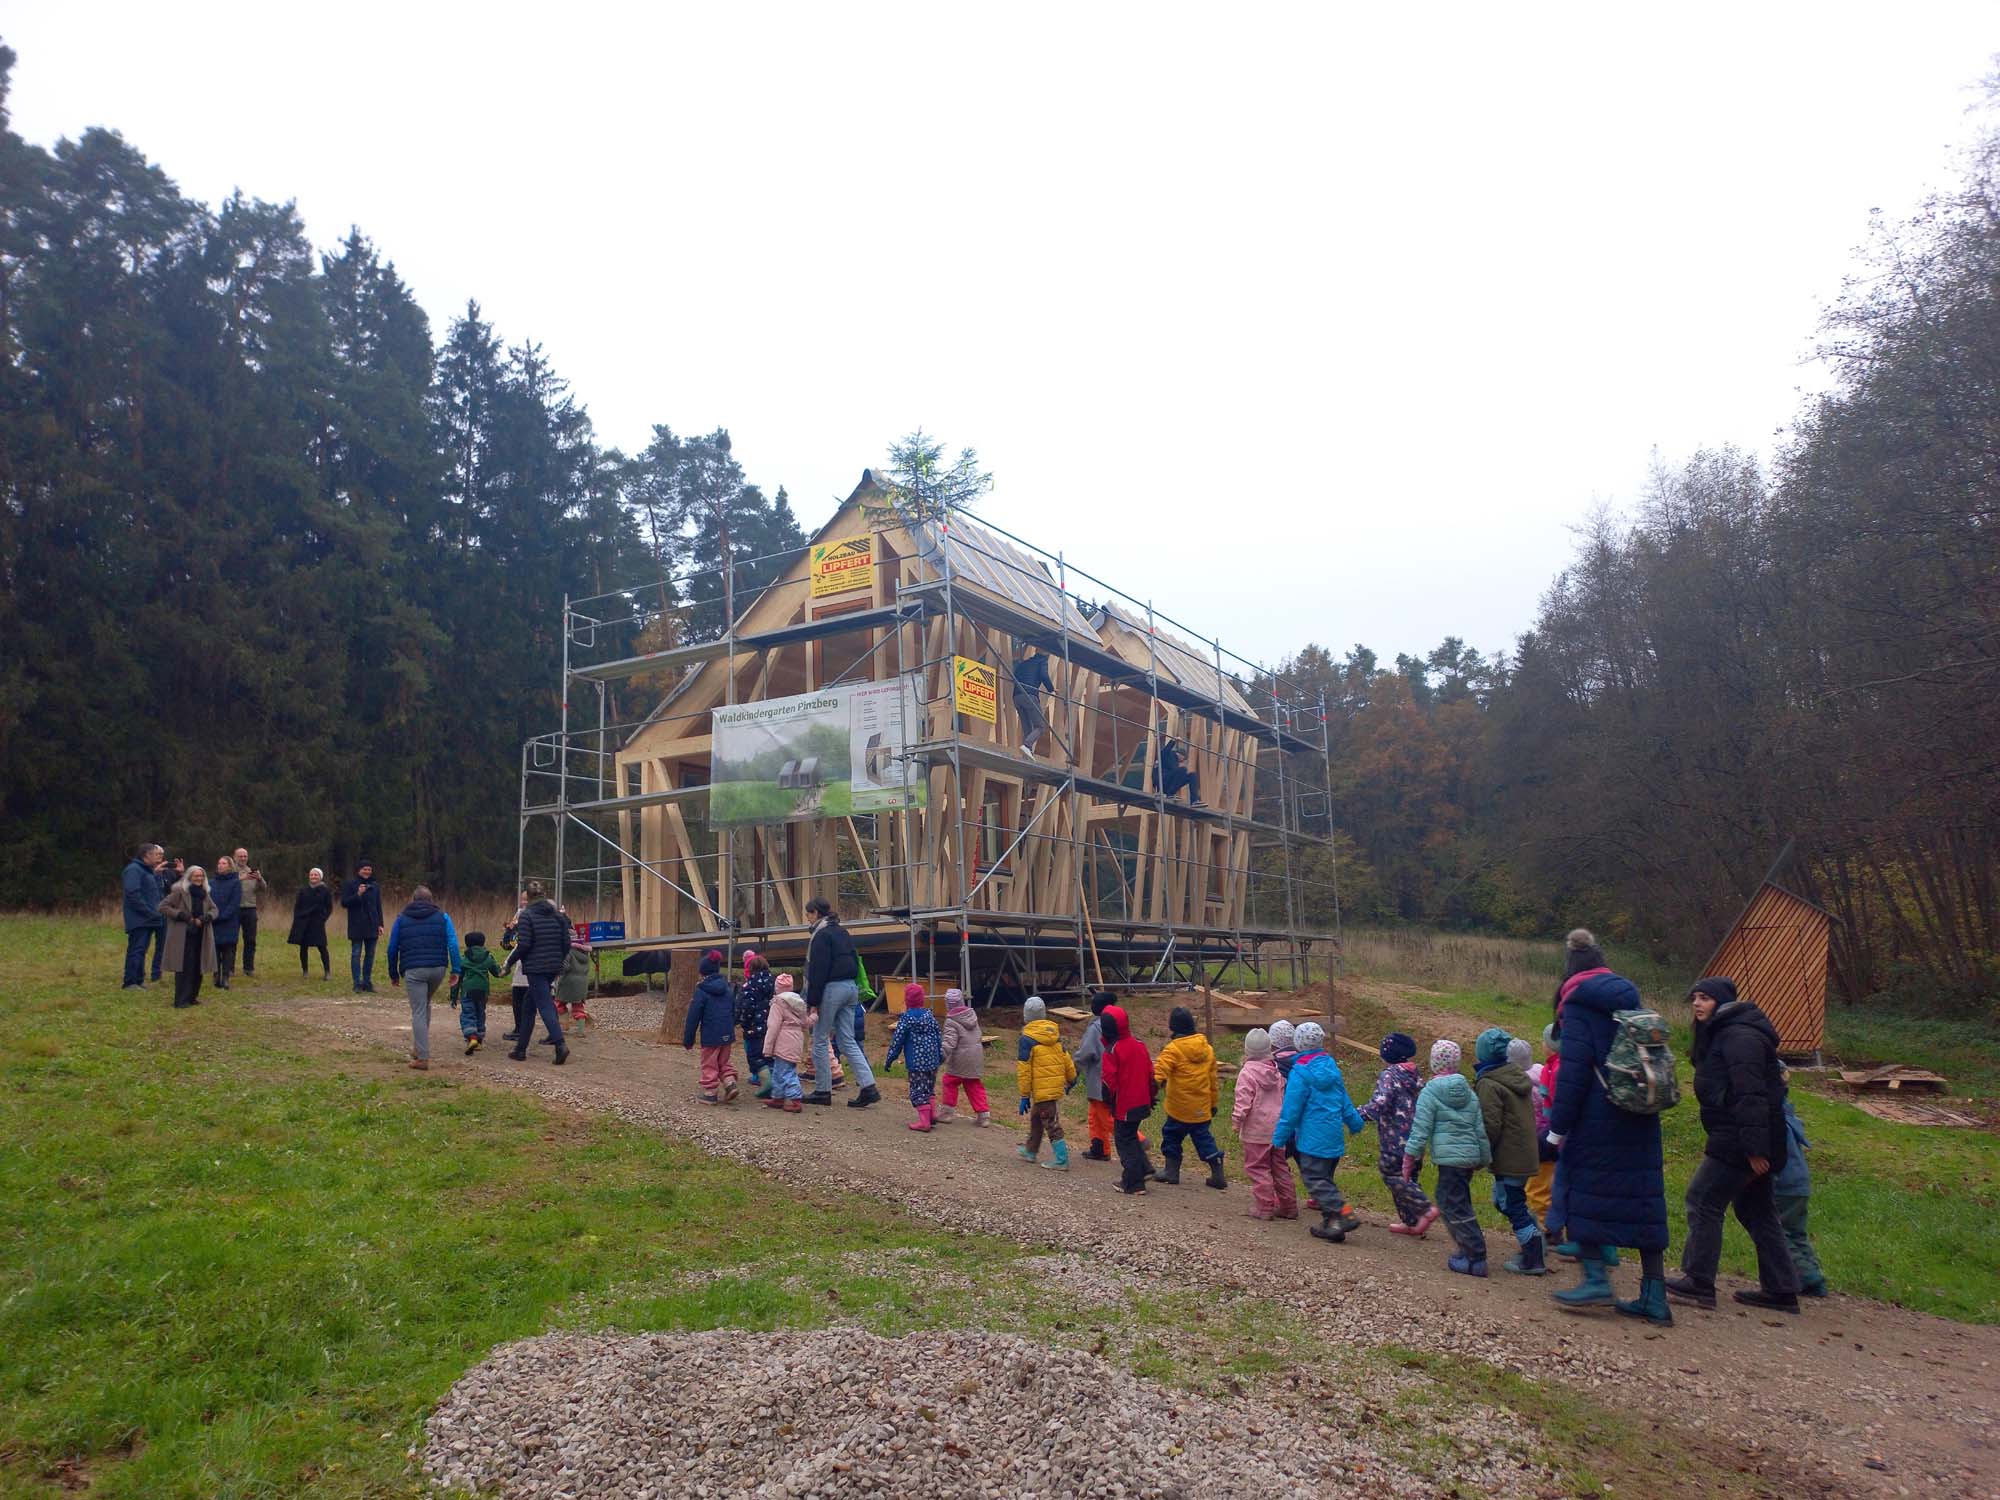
1315 1121
712 1016
1792 1188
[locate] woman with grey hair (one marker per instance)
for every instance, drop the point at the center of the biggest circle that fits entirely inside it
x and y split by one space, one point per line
310 909
189 911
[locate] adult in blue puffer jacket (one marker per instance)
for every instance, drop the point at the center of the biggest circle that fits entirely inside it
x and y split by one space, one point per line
1315 1121
1611 1183
423 953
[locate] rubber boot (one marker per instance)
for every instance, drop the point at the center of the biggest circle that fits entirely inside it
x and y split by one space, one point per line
923 1119
1025 1154
1651 1303
1465 1265
762 1078
1423 1225
1098 1153
1595 1288
1215 1177
1060 1161
1531 1261
1169 1173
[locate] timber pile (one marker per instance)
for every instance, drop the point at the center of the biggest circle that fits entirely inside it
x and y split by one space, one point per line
1894 1077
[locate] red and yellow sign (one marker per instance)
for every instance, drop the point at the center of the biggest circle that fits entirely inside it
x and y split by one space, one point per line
842 567
975 689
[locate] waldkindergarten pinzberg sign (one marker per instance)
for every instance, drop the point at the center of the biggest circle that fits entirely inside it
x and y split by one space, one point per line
975 689
842 567
829 754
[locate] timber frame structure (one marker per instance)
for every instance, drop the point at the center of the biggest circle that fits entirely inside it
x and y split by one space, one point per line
1047 874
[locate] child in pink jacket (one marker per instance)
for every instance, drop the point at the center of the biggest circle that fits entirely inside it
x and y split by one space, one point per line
784 1044
1260 1094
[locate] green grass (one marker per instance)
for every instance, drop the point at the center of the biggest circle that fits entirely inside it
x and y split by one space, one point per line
242 1258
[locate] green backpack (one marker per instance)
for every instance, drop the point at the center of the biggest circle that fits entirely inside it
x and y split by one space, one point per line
1638 1071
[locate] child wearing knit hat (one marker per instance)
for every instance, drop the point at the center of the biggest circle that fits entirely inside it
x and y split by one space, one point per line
964 1060
1506 1102
1283 1051
711 1017
1317 1117
1449 1126
753 1017
1260 1093
1393 1108
918 1042
785 1045
1045 1072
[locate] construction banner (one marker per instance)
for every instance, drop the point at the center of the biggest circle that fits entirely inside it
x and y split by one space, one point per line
975 689
830 754
842 567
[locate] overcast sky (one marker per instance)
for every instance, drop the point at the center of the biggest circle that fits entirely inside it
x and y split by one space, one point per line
1304 324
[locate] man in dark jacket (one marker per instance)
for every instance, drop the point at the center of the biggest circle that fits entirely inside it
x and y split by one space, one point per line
363 899
143 923
833 970
541 943
423 953
1031 680
1741 1089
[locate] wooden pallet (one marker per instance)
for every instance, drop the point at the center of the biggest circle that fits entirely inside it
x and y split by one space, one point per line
1894 1077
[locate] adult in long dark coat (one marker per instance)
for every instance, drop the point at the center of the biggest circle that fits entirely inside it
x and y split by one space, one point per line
1741 1087
226 887
362 896
189 911
310 909
1611 1180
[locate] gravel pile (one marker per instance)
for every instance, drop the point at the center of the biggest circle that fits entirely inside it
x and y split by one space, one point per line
840 1412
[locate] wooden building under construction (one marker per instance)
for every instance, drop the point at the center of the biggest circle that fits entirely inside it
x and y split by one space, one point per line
973 860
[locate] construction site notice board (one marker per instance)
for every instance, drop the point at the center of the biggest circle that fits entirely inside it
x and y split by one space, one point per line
975 689
842 567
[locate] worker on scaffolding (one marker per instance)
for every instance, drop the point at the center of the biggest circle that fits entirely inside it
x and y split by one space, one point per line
1174 772
1031 680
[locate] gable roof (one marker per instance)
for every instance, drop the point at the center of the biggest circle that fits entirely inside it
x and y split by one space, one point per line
1176 659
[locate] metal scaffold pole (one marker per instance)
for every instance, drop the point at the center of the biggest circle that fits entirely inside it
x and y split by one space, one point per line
1072 740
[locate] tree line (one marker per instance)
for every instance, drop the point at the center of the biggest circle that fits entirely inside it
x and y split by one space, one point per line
1808 651
282 567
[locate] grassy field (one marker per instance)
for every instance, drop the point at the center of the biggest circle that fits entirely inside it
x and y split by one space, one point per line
240 1258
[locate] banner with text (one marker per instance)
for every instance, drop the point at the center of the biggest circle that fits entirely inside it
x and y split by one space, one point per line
975 689
842 567
830 754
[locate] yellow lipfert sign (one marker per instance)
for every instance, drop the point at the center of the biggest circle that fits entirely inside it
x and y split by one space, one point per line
842 567
975 689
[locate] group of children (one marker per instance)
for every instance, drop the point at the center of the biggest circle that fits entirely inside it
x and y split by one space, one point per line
1290 1105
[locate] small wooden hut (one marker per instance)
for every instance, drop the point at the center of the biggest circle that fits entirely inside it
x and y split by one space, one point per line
1777 954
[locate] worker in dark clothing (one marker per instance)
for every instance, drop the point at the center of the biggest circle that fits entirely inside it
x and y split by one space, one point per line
1031 680
1174 774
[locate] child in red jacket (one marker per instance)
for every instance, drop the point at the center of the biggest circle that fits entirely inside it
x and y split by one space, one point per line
1128 1088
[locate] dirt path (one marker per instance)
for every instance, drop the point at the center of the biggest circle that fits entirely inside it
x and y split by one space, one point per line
1853 1397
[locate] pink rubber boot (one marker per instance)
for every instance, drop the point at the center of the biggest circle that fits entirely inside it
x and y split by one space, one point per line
923 1121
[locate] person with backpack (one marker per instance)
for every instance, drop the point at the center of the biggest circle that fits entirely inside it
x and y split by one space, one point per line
1740 1085
1611 1182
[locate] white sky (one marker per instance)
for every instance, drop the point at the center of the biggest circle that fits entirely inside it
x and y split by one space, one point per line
1307 325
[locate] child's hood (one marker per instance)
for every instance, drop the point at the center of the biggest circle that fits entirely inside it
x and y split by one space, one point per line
792 1003
476 953
1192 1050
1043 1033
1256 1070
1510 1076
714 986
1452 1090
1321 1071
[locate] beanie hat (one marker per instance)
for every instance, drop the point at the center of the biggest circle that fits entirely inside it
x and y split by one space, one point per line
1309 1036
1579 939
1445 1056
1257 1044
1491 1047
1035 1010
1181 1022
1535 1073
1721 991
784 984
954 999
749 958
1281 1036
1098 1001
1551 1039
913 996
711 963
1520 1052
1397 1047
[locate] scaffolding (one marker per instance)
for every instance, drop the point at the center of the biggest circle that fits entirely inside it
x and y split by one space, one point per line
1018 874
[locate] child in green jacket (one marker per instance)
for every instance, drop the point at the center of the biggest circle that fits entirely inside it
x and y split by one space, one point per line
479 967
1450 1127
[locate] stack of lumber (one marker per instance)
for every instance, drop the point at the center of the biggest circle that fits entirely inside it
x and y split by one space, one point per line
1894 1076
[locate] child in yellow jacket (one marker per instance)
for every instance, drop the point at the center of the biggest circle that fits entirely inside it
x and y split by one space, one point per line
1186 1066
1046 1072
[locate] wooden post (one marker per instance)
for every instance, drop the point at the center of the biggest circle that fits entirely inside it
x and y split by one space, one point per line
1207 1006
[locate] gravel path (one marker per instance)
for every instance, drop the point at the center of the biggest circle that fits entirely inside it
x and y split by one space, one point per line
840 1412
1852 1398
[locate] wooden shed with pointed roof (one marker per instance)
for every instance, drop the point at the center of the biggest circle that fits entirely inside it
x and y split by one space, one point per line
1777 955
